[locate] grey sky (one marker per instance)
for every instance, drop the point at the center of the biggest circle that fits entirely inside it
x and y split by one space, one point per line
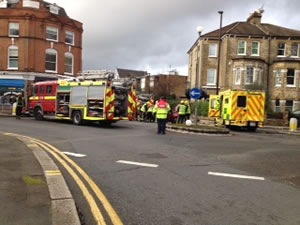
155 35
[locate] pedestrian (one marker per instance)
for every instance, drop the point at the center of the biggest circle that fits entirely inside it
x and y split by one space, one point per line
181 112
188 110
20 106
161 109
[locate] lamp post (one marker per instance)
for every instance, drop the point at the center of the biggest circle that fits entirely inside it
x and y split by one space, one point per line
219 52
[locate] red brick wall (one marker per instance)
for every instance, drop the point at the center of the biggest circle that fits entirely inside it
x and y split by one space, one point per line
32 41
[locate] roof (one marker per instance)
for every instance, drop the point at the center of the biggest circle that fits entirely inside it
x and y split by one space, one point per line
125 73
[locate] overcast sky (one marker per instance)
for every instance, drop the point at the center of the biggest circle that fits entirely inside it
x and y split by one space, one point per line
155 35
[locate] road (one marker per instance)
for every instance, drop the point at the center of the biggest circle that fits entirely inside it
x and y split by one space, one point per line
183 186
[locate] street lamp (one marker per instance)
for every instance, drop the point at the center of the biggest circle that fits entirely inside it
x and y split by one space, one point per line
199 31
219 52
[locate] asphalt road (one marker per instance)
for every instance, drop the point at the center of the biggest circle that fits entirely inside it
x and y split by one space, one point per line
180 191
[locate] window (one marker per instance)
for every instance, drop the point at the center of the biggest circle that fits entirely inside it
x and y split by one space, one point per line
277 105
35 90
250 75
211 76
13 29
69 63
42 91
212 50
13 57
241 101
290 78
143 83
281 49
51 60
295 50
242 47
278 78
49 89
255 48
69 39
151 84
52 34
289 105
238 76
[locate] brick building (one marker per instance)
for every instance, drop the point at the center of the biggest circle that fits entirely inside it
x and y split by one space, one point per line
253 54
163 84
37 41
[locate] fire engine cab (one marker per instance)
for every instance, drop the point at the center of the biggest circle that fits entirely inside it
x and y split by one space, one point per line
82 101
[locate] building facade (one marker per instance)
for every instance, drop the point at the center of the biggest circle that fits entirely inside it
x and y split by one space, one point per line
254 56
38 41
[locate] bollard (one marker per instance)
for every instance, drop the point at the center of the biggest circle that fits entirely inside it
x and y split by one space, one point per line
293 124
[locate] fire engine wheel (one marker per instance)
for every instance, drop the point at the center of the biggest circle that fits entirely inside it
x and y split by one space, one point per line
38 114
77 118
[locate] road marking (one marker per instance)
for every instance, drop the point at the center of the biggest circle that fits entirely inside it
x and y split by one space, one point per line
235 176
137 163
74 154
115 219
52 173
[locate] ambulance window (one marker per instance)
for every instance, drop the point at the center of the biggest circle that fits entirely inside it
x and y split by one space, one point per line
35 90
49 89
212 103
226 100
42 91
241 101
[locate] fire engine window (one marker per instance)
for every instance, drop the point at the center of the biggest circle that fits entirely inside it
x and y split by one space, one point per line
49 89
42 91
241 101
35 90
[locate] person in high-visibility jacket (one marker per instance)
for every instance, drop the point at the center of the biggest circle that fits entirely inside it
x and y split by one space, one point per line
150 104
188 110
161 109
144 111
181 112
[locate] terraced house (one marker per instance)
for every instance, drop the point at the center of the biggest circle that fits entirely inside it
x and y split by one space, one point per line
253 54
37 41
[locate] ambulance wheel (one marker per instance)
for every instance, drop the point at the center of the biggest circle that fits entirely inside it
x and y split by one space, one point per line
38 113
77 118
252 129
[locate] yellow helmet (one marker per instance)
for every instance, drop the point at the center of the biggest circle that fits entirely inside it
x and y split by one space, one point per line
181 102
186 102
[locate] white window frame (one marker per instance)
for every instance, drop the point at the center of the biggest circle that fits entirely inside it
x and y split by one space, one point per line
214 76
294 83
258 48
51 51
73 37
284 50
52 29
253 75
238 76
278 78
245 47
12 47
69 54
10 28
295 56
210 50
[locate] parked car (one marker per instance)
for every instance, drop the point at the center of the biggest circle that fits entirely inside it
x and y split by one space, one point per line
296 114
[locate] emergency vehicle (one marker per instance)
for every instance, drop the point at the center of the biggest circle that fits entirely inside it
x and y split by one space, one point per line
82 101
234 108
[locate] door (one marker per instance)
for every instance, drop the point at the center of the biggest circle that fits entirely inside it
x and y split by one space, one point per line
214 106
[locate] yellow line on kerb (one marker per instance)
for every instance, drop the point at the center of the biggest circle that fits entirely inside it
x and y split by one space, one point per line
115 219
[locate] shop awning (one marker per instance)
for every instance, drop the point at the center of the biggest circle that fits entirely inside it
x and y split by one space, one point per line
12 83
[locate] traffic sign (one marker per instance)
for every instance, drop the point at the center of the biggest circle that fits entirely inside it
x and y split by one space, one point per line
195 93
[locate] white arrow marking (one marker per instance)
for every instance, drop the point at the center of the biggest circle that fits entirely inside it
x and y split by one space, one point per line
236 176
74 154
137 163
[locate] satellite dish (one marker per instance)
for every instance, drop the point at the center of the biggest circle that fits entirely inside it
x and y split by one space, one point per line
12 1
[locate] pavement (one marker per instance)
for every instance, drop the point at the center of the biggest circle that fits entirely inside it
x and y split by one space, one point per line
26 193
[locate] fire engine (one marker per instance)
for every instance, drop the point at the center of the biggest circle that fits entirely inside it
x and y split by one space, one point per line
234 108
81 101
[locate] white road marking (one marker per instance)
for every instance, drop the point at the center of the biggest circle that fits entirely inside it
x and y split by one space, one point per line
137 163
74 154
235 176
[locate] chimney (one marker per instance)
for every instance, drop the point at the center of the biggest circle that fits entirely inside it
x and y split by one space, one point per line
255 17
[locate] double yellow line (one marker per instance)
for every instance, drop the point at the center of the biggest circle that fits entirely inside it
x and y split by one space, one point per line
65 161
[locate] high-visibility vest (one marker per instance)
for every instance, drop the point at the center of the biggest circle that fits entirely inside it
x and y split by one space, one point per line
143 109
182 109
150 109
188 109
162 109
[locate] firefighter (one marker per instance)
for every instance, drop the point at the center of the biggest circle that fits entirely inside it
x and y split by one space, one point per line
161 109
144 110
20 106
188 110
181 112
150 117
